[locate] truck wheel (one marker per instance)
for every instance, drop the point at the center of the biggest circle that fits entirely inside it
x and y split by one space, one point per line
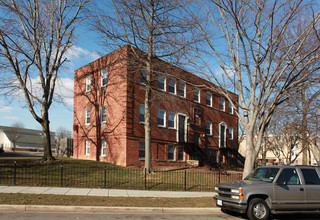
258 210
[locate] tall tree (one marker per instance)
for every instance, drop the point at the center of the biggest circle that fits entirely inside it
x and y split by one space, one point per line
245 40
34 37
153 29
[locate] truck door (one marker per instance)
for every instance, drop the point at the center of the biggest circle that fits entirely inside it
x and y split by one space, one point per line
288 192
312 187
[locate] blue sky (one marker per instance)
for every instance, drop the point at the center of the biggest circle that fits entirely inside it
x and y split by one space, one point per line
85 50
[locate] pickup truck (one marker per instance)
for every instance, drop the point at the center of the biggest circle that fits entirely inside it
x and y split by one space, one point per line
271 190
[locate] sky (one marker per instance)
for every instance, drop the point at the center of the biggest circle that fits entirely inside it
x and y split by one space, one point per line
84 51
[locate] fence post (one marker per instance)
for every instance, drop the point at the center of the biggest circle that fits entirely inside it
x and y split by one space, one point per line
185 180
219 175
145 178
61 174
105 177
14 172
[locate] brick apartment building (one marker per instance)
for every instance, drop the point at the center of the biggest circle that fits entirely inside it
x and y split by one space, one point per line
189 121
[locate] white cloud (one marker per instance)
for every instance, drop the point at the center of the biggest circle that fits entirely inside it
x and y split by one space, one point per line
64 89
6 108
75 53
15 118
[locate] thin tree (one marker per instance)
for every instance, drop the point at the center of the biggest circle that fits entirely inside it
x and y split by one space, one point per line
245 41
153 29
13 133
34 37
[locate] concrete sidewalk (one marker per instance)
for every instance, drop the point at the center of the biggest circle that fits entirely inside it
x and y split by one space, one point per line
101 192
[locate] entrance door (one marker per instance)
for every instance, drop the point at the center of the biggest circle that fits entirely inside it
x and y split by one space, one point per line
181 128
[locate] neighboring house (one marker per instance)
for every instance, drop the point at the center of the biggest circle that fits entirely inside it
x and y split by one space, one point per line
277 156
189 121
21 139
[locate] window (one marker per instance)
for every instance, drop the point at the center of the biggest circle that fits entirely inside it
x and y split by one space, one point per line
103 114
230 108
209 99
171 151
88 147
103 77
172 86
87 122
182 89
196 95
181 154
141 150
310 176
230 130
141 113
171 120
88 84
222 131
198 116
143 77
209 128
161 118
288 176
162 83
222 104
103 147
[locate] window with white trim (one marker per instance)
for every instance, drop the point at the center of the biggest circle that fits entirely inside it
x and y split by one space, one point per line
172 86
103 147
104 78
141 117
222 104
87 122
209 128
171 152
87 147
171 120
162 83
230 108
143 77
161 118
180 154
209 99
222 135
196 95
230 131
182 89
88 84
103 114
141 150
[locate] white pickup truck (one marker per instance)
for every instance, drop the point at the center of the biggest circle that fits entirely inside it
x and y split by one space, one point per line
270 190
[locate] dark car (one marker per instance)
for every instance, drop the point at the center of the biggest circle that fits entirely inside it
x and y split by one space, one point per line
271 190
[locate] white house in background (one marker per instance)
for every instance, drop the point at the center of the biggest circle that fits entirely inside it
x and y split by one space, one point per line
21 139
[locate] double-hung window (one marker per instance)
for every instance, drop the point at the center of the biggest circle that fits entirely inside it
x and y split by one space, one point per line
141 119
87 122
88 147
172 86
104 78
180 153
182 89
103 114
161 116
196 95
209 99
230 108
103 147
209 128
88 84
162 83
230 131
171 152
141 150
171 120
143 77
222 104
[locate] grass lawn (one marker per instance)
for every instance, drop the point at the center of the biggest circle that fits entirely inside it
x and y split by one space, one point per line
33 199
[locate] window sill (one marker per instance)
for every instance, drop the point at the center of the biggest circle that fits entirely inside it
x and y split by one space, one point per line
160 126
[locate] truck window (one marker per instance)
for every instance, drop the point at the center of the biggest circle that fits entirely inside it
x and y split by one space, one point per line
288 176
310 176
263 174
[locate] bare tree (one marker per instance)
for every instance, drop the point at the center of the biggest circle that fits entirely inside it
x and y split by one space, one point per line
153 29
62 132
245 39
34 37
13 133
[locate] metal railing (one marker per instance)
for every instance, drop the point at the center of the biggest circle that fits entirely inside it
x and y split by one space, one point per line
102 175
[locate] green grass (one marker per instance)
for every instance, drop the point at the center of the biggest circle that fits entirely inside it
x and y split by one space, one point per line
66 172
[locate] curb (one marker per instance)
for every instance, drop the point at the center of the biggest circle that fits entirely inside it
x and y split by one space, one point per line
102 209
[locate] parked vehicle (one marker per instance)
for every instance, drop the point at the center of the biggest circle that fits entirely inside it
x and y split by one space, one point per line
271 190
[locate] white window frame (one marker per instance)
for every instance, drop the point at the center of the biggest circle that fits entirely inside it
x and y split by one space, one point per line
209 128
164 82
142 107
175 86
225 134
87 147
103 147
103 114
142 143
143 77
164 118
104 73
196 93
230 133
222 104
209 95
88 83
174 152
230 108
184 88
87 116
174 120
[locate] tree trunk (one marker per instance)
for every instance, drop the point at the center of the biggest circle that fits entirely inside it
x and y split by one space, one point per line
47 155
304 129
147 125
250 155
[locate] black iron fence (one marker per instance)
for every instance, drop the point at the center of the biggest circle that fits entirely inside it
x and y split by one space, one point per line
102 175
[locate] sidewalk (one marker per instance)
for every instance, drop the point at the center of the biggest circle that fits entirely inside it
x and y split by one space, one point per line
106 193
